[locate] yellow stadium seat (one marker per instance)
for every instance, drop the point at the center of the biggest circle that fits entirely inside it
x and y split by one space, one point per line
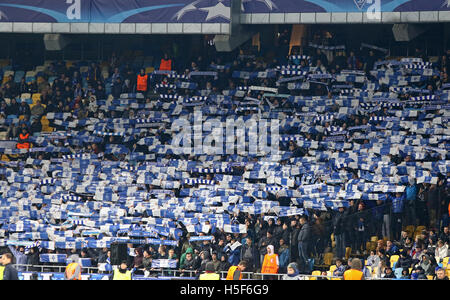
40 80
393 260
374 239
332 268
348 252
445 262
430 277
314 273
149 70
35 97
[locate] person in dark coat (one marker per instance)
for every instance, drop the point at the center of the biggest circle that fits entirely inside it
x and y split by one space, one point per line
293 238
33 259
338 230
10 273
304 239
249 253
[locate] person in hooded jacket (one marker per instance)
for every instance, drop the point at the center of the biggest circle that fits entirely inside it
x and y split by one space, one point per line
404 261
224 265
292 272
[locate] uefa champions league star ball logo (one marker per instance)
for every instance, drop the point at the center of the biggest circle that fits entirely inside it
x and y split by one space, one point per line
214 9
269 3
360 3
3 16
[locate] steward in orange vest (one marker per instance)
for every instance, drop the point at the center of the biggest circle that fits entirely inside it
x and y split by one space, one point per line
166 63
23 142
355 272
142 82
73 269
270 263
235 272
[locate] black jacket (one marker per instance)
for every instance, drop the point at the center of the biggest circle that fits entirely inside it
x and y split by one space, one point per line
338 221
304 234
254 261
10 273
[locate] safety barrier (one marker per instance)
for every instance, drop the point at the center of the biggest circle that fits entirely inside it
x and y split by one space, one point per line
91 273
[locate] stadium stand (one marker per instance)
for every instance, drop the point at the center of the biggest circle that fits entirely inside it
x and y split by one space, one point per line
362 154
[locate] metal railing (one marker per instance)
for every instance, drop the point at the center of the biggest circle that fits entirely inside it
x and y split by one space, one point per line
181 274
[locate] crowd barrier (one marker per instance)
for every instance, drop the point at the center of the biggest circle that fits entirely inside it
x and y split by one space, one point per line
161 274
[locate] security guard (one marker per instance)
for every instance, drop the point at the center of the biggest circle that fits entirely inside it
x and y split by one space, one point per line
2 270
142 82
235 272
122 273
166 63
73 269
23 142
355 272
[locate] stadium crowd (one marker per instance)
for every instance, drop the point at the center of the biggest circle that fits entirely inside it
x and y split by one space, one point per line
362 170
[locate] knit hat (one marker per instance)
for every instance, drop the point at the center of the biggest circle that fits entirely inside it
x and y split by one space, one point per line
293 266
210 267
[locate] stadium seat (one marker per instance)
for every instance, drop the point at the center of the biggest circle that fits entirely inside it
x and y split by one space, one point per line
30 76
25 96
40 69
348 252
35 97
398 272
445 262
18 76
393 260
332 268
430 277
314 273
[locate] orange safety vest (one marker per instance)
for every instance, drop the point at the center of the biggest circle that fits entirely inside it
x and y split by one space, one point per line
165 65
270 264
142 83
353 274
231 271
23 141
70 270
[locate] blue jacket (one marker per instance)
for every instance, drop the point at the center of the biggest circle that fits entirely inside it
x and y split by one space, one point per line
284 258
411 192
398 204
21 258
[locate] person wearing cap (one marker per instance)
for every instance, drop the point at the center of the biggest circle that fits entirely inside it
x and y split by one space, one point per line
355 272
73 269
292 272
122 273
210 273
